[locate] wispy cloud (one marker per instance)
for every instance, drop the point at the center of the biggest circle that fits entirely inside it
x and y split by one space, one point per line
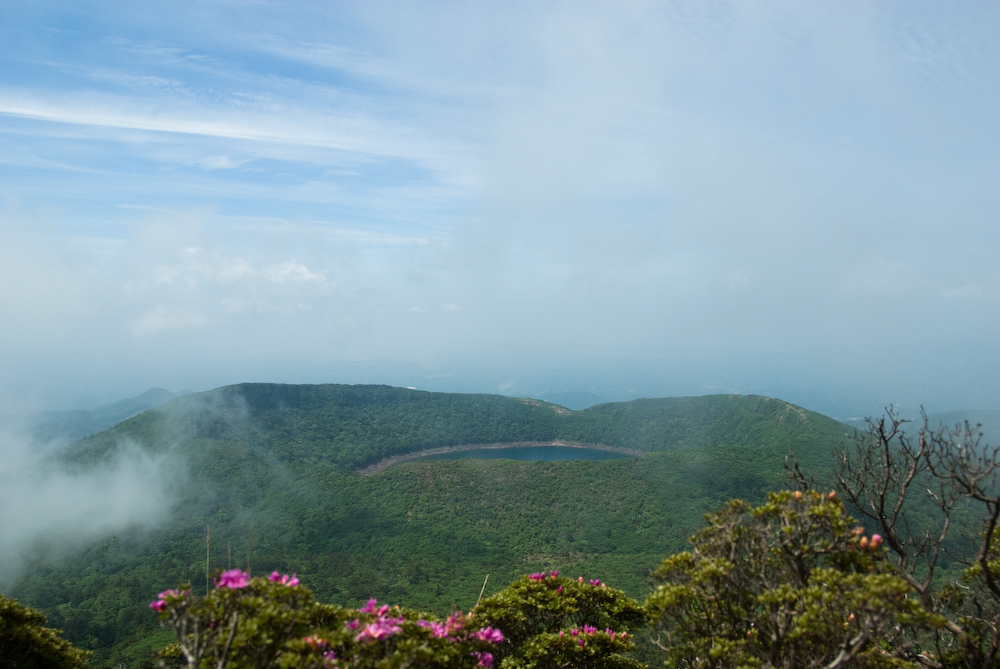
336 132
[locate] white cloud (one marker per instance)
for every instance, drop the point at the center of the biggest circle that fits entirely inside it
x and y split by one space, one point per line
162 318
221 163
291 272
195 268
316 127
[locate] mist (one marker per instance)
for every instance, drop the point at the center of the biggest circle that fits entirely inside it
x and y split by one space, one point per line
48 511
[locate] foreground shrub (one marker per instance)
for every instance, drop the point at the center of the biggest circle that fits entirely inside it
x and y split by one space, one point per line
539 621
791 583
25 642
275 622
551 621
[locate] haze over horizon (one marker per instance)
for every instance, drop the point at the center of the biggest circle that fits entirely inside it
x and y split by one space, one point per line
632 199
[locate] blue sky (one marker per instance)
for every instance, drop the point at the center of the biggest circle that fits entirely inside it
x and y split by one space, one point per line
634 198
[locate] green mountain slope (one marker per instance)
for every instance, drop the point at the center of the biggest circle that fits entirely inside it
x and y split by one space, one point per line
273 465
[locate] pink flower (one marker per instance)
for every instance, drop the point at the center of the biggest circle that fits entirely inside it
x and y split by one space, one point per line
580 641
352 624
438 630
455 623
485 659
553 574
559 589
876 540
283 579
537 577
234 579
587 629
161 605
489 635
383 628
370 606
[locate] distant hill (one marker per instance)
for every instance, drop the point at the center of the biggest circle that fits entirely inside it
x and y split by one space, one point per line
67 426
274 466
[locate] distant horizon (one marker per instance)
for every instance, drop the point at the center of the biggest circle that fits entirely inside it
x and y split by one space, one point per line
906 411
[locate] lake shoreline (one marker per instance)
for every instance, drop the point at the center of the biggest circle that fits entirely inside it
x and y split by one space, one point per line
394 460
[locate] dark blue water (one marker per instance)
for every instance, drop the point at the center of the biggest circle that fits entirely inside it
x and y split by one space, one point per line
544 453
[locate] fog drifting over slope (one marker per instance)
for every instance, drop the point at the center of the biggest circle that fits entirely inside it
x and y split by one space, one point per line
48 511
643 198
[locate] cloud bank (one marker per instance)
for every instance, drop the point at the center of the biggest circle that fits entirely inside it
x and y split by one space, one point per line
646 198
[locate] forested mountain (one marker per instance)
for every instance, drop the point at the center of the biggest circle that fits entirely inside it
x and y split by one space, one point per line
62 427
272 470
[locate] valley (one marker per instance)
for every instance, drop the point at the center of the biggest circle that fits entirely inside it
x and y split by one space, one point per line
272 470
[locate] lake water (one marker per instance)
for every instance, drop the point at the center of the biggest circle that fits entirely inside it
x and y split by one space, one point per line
544 453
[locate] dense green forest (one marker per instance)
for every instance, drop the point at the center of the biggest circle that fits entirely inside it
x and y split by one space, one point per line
273 467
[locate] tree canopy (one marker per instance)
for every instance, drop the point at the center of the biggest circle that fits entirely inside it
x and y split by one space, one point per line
25 642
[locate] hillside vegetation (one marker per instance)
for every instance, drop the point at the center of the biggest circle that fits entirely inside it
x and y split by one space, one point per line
274 466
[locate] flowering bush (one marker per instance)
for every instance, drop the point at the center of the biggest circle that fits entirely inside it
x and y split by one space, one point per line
275 622
551 621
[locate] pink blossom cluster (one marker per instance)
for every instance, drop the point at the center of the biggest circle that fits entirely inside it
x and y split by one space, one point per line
283 579
484 659
489 635
382 627
454 624
588 630
161 603
234 579
541 576
371 606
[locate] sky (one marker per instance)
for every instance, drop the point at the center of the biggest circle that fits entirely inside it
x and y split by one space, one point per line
628 199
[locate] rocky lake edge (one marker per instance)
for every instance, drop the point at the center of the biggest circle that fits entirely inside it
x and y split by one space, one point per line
394 460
